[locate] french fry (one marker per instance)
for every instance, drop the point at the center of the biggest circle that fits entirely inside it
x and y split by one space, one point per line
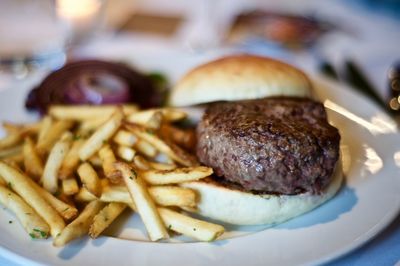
105 217
178 175
145 148
104 133
125 138
44 129
32 162
173 196
89 125
126 153
95 161
65 210
88 112
80 226
155 121
15 160
10 152
10 140
108 159
144 203
53 134
24 129
84 195
89 179
21 184
176 154
185 138
169 114
70 186
71 160
198 229
53 164
33 224
141 163
162 195
162 166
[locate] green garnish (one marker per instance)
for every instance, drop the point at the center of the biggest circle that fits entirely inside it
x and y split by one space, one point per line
76 137
10 222
9 184
33 236
43 234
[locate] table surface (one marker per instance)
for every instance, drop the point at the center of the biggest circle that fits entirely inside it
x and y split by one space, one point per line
374 53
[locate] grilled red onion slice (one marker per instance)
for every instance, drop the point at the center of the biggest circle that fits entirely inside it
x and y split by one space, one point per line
93 82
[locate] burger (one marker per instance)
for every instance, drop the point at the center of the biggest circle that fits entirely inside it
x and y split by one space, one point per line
274 154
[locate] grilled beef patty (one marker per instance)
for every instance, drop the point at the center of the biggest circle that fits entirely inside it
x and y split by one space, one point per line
274 145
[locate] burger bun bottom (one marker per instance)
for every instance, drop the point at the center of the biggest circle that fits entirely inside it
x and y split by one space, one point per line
237 207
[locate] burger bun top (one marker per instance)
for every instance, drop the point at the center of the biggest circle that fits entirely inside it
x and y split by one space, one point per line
240 77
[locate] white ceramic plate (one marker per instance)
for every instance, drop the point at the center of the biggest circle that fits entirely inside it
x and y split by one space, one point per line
366 204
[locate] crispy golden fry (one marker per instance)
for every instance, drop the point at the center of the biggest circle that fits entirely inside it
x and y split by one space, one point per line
126 153
162 166
162 195
155 121
65 210
87 126
10 140
145 148
33 224
54 161
104 133
89 179
201 230
44 129
11 152
105 217
15 161
175 153
144 203
32 162
108 159
96 161
24 129
56 130
80 226
141 163
178 175
21 184
88 112
84 195
70 186
185 138
173 196
169 114
126 138
71 160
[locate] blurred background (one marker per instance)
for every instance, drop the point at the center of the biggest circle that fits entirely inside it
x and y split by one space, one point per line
333 37
355 41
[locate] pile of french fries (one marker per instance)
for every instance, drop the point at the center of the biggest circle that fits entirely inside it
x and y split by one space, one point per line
76 170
